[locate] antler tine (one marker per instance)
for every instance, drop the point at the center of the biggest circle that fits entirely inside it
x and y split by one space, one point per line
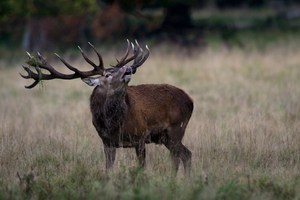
138 55
136 42
43 60
136 51
101 63
87 59
140 59
32 85
28 72
31 74
29 56
123 60
66 64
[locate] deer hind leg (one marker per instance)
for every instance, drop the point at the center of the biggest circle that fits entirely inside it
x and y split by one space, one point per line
141 154
175 157
110 156
186 158
178 150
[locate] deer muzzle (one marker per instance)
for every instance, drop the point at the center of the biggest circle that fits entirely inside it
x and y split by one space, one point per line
128 71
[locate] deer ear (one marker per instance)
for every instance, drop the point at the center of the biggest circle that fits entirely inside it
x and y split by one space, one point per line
91 81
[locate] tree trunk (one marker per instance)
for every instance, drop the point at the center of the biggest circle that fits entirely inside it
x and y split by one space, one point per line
35 35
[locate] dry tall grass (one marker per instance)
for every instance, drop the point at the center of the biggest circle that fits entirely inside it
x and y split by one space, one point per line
245 126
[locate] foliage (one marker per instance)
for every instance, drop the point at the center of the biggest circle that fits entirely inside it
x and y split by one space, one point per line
131 5
39 8
135 184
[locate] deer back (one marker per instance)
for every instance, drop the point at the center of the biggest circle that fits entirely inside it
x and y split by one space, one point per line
155 106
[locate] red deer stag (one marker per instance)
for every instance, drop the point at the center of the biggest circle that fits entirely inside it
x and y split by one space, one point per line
128 116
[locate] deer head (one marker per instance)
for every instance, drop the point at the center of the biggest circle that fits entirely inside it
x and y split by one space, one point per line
107 77
111 81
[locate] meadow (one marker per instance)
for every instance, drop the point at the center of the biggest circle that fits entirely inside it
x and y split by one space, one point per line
244 133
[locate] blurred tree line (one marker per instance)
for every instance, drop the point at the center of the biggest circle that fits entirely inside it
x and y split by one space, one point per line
41 24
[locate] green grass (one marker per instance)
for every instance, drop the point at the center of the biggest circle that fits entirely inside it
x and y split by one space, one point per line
131 183
244 132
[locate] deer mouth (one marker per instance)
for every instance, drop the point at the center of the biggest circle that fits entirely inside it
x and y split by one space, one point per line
128 71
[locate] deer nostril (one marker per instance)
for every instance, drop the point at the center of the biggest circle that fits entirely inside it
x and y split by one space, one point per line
128 71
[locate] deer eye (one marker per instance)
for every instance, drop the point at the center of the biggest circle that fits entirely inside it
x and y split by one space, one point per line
107 75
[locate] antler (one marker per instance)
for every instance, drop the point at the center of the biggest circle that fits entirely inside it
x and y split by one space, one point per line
138 57
41 63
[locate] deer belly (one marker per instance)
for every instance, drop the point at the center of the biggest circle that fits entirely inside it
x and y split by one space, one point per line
157 136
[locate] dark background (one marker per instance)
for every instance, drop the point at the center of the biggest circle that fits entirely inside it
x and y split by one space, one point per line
39 25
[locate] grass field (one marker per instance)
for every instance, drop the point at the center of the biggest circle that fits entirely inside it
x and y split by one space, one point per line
244 133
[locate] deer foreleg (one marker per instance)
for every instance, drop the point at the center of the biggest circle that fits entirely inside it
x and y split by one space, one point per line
141 154
110 156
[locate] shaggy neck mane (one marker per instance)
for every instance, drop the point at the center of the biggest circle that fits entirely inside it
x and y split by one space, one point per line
108 111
